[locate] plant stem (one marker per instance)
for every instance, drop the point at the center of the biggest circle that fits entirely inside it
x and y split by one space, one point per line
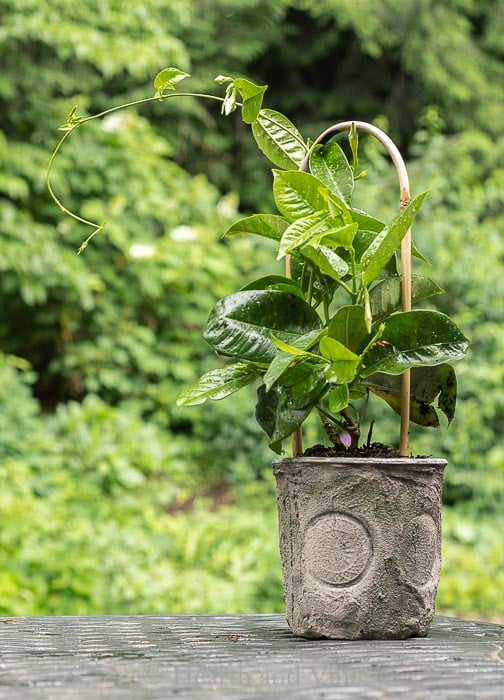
79 123
309 293
329 428
353 428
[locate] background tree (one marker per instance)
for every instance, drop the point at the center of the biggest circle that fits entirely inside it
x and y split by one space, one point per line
107 489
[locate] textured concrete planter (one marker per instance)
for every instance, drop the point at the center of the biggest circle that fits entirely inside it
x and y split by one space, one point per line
360 543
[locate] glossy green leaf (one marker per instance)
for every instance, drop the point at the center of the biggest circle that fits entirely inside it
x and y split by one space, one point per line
326 260
276 416
415 339
367 222
348 326
336 206
279 140
388 241
300 231
305 391
338 398
337 236
343 361
297 194
266 225
218 383
417 254
252 96
427 385
167 79
240 325
385 297
329 164
362 241
289 354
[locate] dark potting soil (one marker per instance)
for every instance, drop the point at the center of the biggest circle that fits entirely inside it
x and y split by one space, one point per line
376 449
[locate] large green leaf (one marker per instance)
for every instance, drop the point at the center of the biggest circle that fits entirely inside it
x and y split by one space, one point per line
303 384
266 225
349 326
386 296
414 339
427 385
298 194
252 96
218 383
240 325
279 140
276 416
388 241
329 164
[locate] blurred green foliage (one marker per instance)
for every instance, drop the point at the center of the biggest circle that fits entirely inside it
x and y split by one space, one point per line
111 499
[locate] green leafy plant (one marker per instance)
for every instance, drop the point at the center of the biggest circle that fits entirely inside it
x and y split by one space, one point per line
333 328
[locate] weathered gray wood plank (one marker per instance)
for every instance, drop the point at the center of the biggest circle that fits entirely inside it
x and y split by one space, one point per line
239 656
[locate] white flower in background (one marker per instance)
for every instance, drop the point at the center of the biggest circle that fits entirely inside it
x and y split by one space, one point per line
183 233
142 250
112 123
228 205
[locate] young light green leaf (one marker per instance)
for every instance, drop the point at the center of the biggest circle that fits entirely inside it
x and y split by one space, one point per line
414 339
298 194
300 231
252 96
338 398
266 225
336 206
290 349
326 260
72 120
279 140
329 164
218 383
337 236
387 241
288 354
167 79
343 361
353 140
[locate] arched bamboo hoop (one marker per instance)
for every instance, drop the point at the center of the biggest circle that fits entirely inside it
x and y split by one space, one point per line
405 198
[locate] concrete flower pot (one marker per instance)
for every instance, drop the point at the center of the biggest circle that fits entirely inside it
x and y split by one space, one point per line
360 543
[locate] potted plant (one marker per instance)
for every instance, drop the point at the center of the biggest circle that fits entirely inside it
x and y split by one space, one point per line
359 529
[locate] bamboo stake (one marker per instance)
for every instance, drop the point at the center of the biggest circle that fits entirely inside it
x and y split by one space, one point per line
405 198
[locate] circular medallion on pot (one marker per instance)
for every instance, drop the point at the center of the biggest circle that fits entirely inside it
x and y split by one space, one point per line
419 551
337 549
